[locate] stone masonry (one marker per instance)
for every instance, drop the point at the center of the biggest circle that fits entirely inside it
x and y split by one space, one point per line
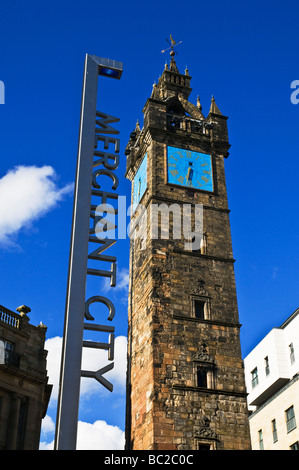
168 407
24 387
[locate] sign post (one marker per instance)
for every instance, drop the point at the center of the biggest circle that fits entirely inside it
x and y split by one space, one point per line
70 373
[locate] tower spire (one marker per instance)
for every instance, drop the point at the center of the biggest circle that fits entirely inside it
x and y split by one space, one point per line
214 108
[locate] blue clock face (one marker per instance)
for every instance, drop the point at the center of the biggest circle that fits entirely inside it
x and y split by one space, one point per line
140 182
189 169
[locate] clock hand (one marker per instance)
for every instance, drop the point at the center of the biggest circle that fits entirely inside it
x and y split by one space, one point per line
189 172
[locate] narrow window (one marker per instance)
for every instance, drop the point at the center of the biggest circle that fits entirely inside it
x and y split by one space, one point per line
202 249
2 352
290 419
292 353
7 355
201 376
254 378
199 309
274 430
8 352
267 367
261 442
203 446
203 244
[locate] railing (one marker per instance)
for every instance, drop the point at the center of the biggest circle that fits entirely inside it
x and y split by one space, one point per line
9 318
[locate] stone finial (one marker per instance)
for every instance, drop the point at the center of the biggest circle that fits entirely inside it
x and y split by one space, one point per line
23 310
198 103
214 108
42 326
137 127
154 91
173 67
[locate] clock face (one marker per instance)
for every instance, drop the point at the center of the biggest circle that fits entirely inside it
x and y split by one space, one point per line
140 182
189 169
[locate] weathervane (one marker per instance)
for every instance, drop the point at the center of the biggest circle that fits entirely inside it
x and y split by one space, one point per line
172 43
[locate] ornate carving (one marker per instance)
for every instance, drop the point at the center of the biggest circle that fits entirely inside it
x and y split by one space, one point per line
200 289
205 432
203 356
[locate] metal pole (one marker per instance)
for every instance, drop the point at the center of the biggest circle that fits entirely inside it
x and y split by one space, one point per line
70 374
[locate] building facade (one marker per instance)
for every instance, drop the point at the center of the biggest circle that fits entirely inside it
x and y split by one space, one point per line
24 388
185 380
272 381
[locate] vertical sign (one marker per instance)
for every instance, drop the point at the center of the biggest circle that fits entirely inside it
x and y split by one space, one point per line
76 306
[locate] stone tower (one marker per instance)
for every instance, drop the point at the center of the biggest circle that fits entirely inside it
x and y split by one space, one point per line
185 381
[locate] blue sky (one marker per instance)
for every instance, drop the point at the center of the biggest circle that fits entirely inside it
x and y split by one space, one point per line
243 53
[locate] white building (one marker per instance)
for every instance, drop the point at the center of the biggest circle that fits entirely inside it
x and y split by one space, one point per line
272 381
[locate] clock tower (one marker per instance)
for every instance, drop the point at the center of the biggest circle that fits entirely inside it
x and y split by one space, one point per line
185 379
